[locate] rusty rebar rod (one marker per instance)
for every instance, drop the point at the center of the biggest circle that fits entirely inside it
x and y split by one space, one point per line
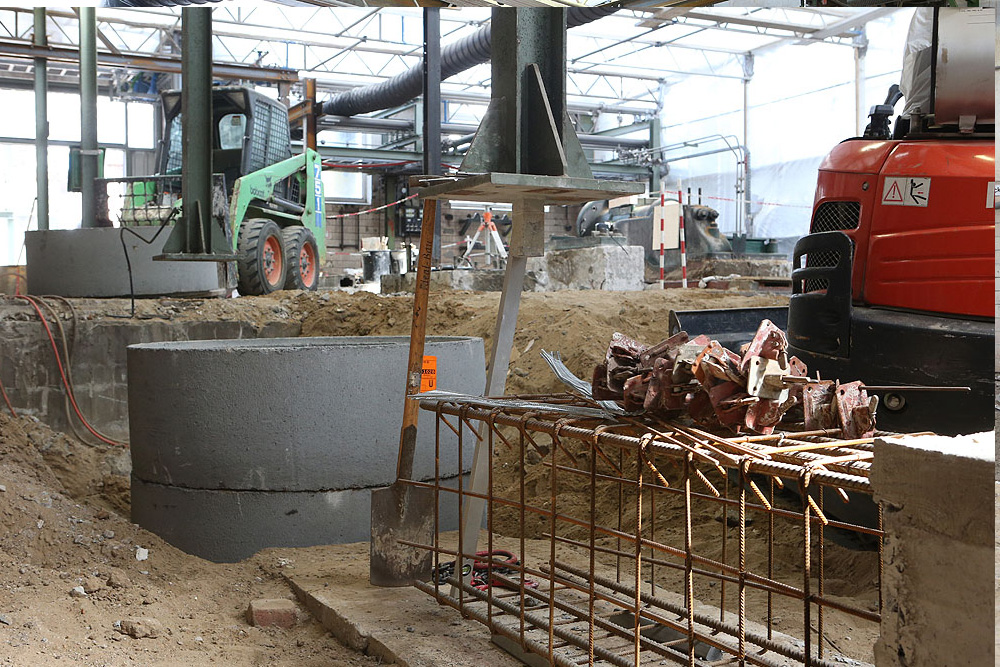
785 650
824 478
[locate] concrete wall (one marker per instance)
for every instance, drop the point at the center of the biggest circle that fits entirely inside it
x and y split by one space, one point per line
29 373
937 497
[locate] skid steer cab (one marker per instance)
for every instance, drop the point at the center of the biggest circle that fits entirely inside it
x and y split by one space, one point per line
276 218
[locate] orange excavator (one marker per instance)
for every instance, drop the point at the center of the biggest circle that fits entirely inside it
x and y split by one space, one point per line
894 284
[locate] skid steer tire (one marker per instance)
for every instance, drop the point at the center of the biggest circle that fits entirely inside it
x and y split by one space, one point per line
301 258
262 266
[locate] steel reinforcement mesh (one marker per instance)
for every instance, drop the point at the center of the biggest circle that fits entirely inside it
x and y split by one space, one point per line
638 542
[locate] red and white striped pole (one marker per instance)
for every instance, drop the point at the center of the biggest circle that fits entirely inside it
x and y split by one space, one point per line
684 258
663 234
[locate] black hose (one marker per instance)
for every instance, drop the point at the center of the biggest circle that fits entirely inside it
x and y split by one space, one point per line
456 57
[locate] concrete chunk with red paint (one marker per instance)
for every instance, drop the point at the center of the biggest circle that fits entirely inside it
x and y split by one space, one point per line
279 613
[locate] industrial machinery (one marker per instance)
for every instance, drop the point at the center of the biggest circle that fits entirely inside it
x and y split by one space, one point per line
894 283
637 224
274 217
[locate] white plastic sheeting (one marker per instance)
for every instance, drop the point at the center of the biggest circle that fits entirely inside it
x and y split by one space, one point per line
802 103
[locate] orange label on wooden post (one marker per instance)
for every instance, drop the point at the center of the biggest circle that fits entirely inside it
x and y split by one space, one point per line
428 375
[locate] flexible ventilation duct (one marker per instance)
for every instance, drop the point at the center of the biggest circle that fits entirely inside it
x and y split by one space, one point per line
455 57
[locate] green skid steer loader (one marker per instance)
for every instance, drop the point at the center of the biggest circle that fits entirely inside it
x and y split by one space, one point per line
272 202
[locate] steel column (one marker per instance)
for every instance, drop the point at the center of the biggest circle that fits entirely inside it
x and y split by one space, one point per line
196 110
526 129
41 123
88 114
748 63
432 109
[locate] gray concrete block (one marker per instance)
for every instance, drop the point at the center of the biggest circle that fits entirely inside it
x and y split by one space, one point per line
91 263
604 267
941 484
227 526
610 268
299 414
937 496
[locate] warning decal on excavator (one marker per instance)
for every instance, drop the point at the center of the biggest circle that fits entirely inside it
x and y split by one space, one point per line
906 191
428 374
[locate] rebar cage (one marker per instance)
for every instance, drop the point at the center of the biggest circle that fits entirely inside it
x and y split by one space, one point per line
631 541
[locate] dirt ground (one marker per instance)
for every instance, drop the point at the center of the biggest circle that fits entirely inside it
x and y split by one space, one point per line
64 505
578 324
63 510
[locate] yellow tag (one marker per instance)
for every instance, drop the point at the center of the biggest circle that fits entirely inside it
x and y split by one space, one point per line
428 376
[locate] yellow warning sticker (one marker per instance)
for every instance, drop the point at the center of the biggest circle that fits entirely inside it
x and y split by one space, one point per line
428 375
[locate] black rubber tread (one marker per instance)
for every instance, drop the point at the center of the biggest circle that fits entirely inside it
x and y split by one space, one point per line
250 247
294 238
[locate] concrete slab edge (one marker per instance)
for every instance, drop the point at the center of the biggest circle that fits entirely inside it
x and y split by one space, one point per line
349 633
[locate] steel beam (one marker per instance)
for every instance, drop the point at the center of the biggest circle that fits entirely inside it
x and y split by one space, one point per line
88 115
345 154
41 124
151 63
379 125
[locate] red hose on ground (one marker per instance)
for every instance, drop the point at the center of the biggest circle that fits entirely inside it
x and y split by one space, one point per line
62 373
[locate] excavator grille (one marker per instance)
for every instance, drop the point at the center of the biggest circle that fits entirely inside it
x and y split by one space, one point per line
832 216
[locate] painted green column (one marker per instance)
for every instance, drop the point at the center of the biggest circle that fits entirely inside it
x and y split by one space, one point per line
88 114
41 123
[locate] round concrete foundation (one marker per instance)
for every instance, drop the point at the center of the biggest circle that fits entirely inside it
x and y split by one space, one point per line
241 445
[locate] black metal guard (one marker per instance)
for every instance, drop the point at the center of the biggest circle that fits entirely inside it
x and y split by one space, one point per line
819 312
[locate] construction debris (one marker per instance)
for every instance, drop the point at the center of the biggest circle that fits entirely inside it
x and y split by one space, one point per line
752 391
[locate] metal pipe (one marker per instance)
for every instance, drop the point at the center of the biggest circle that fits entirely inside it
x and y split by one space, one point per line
88 115
41 123
196 110
457 57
